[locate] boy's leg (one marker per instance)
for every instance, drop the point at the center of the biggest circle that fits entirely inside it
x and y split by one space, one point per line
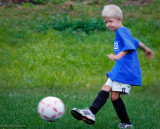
120 107
100 99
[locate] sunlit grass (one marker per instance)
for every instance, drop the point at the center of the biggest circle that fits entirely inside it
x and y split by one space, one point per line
55 59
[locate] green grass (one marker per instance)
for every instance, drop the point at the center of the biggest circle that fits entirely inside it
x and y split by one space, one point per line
19 107
72 66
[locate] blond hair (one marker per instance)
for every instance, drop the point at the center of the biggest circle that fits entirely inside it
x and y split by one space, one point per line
112 11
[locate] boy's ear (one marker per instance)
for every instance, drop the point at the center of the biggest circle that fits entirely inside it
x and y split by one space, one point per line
120 19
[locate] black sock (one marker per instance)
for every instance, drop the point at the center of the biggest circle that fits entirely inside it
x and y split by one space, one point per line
121 111
99 101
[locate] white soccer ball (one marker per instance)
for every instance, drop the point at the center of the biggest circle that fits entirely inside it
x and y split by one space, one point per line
51 108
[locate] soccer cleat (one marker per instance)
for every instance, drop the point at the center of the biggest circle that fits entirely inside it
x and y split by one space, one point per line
125 126
83 114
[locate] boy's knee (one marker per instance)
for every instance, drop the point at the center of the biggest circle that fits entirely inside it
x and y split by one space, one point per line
106 88
115 96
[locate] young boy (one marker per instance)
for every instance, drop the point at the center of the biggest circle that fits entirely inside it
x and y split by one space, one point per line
125 73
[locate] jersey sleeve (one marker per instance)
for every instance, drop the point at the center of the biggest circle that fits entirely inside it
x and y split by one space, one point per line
136 42
126 39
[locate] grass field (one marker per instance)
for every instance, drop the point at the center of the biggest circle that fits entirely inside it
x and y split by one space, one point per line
37 61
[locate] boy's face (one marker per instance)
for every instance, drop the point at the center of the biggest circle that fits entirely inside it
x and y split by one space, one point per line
112 23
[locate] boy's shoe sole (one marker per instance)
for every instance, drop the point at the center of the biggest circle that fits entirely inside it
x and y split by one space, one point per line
78 116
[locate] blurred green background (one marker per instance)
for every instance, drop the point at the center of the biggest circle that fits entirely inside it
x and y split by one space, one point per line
59 48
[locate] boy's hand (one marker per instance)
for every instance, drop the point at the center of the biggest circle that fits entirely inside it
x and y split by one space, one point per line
149 53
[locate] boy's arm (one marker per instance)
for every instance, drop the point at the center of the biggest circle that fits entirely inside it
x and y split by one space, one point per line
148 52
118 56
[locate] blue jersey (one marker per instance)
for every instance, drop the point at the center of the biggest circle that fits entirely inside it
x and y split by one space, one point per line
127 69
